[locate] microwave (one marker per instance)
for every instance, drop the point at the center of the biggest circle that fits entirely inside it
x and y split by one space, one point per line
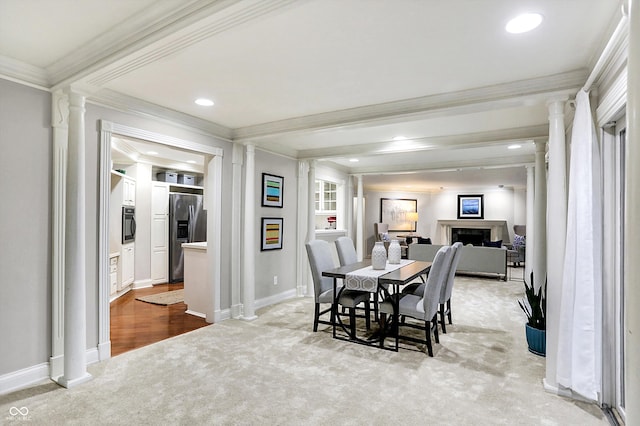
128 224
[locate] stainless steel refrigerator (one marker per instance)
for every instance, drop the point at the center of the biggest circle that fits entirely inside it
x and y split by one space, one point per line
187 224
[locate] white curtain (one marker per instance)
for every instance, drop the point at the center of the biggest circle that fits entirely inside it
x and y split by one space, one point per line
580 343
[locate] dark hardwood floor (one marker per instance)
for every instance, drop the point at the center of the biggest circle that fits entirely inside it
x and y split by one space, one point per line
135 323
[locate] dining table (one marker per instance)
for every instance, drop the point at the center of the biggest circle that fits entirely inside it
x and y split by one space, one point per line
361 276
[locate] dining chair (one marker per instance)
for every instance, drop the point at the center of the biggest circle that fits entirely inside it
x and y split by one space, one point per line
420 307
320 260
447 288
347 255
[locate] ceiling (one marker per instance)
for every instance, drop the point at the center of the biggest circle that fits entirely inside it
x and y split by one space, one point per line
331 80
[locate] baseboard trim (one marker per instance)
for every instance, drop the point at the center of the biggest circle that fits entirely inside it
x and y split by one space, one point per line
196 314
276 298
22 378
142 284
25 377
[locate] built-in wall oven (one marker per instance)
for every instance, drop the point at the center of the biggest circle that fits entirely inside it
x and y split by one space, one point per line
128 224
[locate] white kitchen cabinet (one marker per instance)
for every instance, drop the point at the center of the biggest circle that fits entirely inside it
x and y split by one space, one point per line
128 191
113 272
127 263
159 232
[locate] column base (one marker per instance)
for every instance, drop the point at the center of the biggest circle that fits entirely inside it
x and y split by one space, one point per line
62 381
251 318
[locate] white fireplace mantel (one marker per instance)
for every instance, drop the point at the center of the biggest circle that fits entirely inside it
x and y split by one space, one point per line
498 228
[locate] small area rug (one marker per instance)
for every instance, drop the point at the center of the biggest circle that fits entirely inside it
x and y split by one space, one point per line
166 298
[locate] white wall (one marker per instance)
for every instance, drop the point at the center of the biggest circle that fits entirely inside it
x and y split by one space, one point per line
25 226
280 263
499 204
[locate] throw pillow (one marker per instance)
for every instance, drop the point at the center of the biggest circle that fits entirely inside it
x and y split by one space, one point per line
497 244
518 241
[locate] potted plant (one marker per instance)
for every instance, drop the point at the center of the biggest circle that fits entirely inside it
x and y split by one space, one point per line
535 308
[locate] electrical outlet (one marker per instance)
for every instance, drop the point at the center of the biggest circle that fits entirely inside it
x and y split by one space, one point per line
275 280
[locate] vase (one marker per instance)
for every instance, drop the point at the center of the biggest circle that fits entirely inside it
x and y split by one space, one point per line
536 339
395 252
378 256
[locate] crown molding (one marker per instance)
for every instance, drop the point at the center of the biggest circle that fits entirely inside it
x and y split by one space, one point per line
145 38
469 140
496 162
115 100
21 72
460 102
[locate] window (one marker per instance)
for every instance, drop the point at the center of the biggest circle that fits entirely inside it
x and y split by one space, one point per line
326 196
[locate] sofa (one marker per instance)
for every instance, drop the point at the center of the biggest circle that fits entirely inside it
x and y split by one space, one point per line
473 260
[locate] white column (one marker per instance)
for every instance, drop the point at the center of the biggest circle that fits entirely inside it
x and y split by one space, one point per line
359 220
632 221
249 276
311 202
530 243
59 122
236 231
349 219
302 272
213 203
540 216
75 319
556 231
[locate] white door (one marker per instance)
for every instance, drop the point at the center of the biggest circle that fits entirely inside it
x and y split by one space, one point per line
159 232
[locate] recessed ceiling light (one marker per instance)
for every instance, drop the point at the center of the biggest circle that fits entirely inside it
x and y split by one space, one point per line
515 146
204 102
399 138
152 153
523 23
353 160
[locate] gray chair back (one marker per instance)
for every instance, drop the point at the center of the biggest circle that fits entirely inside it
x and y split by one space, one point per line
346 251
435 281
320 260
447 288
380 228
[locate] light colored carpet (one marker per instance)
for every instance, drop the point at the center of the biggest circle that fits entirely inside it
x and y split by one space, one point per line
276 371
164 298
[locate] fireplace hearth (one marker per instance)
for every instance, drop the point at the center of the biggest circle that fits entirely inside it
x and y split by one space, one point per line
473 236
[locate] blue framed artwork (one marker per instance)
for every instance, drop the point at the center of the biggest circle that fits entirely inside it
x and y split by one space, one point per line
272 190
470 206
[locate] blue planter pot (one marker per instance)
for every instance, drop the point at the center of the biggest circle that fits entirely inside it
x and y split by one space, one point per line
537 340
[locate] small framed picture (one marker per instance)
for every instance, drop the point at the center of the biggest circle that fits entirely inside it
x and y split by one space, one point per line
470 207
272 190
271 233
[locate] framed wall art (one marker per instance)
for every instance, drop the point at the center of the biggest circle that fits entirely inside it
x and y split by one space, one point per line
272 190
470 207
271 233
393 211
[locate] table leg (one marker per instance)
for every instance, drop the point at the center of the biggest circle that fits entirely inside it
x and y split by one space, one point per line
334 306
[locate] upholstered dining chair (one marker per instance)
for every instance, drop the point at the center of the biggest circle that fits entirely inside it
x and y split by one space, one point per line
447 288
423 307
320 260
347 255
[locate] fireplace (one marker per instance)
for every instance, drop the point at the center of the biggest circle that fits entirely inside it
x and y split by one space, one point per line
497 230
473 236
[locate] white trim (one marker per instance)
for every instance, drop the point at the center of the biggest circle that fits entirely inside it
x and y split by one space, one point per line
196 314
276 298
22 378
613 101
144 283
107 130
460 102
